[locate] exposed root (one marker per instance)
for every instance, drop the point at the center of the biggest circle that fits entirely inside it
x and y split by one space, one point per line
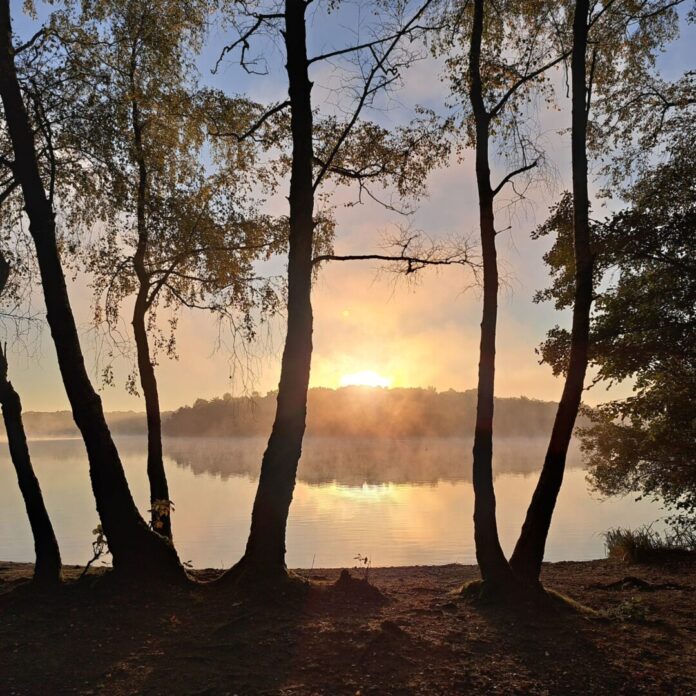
633 583
522 597
563 603
261 581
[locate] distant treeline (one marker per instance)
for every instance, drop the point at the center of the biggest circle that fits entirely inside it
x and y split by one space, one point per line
346 412
365 412
57 424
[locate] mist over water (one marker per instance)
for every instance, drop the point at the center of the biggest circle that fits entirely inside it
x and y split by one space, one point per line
400 502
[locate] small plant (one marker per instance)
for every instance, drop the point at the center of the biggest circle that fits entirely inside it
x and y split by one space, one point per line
100 547
629 610
364 561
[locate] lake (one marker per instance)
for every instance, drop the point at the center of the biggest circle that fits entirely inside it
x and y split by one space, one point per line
403 502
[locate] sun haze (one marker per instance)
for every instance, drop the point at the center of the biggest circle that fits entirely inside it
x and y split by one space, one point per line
365 378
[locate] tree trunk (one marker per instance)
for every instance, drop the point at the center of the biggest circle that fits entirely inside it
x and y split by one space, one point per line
135 549
47 569
489 554
160 505
265 551
529 551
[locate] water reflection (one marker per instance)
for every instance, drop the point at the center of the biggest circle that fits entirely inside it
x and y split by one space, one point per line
354 461
401 502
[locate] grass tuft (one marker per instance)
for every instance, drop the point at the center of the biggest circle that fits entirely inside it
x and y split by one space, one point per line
644 544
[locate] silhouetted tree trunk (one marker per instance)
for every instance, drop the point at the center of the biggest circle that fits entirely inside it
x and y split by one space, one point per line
489 554
529 551
159 489
48 565
160 510
135 549
47 570
265 551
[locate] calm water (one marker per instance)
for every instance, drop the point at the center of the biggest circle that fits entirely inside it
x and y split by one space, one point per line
398 502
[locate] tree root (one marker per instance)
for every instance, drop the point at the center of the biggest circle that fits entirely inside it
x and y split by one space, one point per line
262 581
524 597
631 582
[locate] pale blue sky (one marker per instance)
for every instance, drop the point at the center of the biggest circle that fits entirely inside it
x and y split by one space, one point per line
417 335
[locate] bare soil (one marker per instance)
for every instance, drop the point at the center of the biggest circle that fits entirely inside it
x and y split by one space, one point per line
418 637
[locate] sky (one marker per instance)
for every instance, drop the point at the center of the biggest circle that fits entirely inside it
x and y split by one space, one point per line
423 333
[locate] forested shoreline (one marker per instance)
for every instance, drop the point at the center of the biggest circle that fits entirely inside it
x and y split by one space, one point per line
344 412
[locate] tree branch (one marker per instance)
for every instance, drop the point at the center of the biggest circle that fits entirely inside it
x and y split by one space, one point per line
413 263
523 80
243 40
368 90
4 195
39 34
252 129
368 44
511 175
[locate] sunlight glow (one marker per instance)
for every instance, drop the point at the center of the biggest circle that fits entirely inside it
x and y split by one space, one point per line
367 493
365 378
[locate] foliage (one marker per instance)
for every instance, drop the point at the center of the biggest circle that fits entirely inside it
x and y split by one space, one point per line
51 101
396 160
180 226
158 510
641 120
521 43
643 330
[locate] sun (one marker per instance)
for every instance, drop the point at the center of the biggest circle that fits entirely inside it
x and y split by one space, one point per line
365 378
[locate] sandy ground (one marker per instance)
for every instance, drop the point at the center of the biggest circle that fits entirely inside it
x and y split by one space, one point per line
93 638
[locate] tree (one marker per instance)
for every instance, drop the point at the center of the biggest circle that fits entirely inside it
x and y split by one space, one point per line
529 551
47 569
179 233
383 60
643 329
495 75
608 34
501 65
136 550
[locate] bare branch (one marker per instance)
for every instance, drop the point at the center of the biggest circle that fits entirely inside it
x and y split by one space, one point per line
411 253
366 172
252 129
368 44
511 175
413 263
39 34
4 195
528 77
243 40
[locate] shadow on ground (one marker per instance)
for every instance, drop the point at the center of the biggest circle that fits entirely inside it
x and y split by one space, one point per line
93 638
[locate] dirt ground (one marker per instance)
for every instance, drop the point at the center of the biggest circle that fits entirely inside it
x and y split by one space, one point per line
93 638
